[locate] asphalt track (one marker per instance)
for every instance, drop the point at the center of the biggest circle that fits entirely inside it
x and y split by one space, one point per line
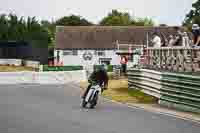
55 108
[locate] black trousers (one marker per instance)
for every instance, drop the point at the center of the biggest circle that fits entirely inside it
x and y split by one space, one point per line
124 68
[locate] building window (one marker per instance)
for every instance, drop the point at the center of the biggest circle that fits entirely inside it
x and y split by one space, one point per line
105 61
67 52
130 58
70 52
75 52
100 53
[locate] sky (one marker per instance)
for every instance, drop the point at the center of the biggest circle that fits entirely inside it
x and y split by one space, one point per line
170 12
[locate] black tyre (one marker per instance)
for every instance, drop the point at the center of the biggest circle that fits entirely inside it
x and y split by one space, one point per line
84 103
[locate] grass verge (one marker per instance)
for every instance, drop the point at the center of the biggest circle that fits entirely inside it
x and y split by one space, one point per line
15 68
118 91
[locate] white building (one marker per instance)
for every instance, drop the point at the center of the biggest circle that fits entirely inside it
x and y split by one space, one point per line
93 45
88 57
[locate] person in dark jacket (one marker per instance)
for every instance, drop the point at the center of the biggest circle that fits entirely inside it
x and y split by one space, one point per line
99 76
178 41
196 34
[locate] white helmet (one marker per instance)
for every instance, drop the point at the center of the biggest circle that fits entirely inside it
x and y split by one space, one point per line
195 26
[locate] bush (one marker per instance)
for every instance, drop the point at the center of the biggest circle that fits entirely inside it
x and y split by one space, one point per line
110 67
62 68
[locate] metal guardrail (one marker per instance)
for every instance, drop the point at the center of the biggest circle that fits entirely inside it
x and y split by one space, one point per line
16 62
173 90
20 62
147 81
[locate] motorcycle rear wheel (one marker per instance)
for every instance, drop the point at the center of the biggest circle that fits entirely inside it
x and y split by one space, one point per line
84 103
94 101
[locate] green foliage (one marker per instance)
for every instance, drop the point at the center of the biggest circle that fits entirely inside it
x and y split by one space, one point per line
62 68
110 67
142 97
19 29
30 29
116 18
73 20
143 22
50 28
193 16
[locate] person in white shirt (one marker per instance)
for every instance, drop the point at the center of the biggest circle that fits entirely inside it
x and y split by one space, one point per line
171 41
156 41
186 40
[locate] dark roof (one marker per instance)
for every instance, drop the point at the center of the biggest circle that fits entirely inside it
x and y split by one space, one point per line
103 37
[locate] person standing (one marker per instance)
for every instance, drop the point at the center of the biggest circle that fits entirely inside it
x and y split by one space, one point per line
186 40
196 34
171 41
156 41
123 62
178 41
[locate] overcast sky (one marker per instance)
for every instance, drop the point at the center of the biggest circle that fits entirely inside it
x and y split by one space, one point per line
171 12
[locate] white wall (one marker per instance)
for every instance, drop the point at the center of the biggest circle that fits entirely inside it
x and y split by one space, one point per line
16 62
42 77
78 59
34 64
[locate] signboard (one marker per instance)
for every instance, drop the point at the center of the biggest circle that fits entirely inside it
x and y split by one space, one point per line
87 56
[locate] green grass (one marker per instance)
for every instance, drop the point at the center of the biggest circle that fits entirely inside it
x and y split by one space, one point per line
118 91
142 97
4 68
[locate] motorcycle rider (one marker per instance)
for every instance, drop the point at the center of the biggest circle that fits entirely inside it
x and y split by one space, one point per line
100 76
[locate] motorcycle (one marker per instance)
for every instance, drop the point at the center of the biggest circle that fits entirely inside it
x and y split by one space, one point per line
92 96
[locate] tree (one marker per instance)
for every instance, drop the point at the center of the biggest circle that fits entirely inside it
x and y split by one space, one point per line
116 18
50 27
73 20
3 27
143 22
193 16
18 29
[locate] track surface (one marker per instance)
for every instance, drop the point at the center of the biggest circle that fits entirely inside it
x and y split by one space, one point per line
52 108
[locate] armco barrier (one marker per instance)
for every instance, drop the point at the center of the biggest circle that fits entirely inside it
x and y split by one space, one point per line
146 80
16 62
172 89
33 64
181 92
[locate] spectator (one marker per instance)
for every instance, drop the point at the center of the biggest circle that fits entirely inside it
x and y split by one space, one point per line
123 62
186 40
196 34
171 41
156 40
178 37
164 40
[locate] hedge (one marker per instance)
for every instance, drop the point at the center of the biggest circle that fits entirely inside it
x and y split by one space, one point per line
62 68
110 67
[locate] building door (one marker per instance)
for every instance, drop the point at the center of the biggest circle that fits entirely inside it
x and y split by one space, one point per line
105 61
